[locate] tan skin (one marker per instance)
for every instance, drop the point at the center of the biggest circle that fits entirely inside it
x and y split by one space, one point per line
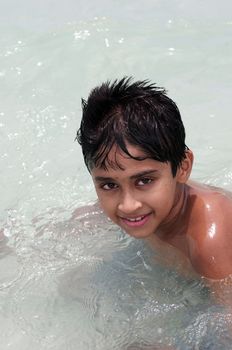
172 213
146 200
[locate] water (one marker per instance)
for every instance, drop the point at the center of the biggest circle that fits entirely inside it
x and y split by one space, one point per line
79 283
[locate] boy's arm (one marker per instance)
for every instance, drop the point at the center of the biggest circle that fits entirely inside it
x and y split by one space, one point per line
221 291
85 210
54 218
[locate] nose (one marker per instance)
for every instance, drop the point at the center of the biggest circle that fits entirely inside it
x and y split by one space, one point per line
129 204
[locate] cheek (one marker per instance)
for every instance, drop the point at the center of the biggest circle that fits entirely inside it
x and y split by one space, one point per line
106 202
164 196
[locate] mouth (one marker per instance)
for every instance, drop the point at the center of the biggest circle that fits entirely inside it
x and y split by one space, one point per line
135 221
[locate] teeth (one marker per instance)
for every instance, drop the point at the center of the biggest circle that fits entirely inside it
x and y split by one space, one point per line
137 219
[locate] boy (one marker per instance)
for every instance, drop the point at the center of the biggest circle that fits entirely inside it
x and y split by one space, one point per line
133 143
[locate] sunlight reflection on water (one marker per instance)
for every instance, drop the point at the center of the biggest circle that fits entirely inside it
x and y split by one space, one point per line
80 283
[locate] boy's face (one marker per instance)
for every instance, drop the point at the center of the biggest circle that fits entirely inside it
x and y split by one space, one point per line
141 196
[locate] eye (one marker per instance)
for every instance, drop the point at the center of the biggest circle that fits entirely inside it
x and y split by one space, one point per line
109 186
144 181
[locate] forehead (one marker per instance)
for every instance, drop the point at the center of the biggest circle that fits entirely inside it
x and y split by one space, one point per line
118 156
119 162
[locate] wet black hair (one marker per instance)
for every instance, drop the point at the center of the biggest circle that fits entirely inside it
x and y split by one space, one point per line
138 113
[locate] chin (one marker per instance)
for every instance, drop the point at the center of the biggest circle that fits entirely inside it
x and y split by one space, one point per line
139 235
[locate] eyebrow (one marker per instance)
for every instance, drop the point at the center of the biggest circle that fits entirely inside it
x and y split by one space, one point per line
135 176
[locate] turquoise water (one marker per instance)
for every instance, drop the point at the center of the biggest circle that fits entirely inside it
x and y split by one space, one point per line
81 284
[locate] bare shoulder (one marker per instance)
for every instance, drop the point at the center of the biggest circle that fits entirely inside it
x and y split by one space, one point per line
213 199
210 241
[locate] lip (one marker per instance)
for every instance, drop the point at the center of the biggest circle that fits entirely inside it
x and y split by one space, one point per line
138 223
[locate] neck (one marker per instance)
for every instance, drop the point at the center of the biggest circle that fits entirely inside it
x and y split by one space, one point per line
173 230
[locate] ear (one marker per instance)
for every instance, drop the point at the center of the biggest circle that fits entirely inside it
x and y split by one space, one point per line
185 168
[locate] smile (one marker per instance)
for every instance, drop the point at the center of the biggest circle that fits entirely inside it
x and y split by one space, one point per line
136 221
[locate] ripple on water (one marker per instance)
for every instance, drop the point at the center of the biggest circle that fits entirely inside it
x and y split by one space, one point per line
10 270
85 285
